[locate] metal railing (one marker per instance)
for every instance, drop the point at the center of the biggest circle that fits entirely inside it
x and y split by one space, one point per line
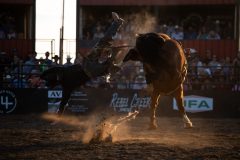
198 78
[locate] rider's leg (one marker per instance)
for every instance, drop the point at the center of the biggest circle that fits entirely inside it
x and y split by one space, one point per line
106 40
101 45
116 24
111 31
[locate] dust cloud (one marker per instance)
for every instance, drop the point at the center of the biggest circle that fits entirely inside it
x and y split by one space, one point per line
143 22
170 131
138 23
95 126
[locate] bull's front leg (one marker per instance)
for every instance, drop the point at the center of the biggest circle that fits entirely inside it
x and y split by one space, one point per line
154 103
66 93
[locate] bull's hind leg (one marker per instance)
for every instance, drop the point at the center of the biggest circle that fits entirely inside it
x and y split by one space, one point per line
179 99
154 103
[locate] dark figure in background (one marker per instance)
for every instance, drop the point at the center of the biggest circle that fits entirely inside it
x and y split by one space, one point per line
68 63
55 60
165 67
47 61
94 65
31 63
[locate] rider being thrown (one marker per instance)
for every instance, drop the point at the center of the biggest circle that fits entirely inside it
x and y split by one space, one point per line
99 62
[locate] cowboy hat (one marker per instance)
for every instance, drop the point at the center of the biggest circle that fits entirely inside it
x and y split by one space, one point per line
68 57
55 57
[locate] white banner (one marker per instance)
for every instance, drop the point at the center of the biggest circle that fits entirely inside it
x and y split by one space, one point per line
195 104
54 94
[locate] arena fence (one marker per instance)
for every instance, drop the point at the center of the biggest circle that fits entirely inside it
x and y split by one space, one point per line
198 78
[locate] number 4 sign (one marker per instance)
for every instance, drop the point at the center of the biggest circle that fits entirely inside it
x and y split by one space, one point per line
8 101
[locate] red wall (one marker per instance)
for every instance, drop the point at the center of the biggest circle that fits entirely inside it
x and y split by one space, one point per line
17 1
23 46
154 2
221 48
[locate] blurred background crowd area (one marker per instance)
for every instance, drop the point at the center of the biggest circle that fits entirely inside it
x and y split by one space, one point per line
193 26
11 23
183 23
207 69
204 73
187 25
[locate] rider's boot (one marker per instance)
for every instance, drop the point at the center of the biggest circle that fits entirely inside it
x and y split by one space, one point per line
116 18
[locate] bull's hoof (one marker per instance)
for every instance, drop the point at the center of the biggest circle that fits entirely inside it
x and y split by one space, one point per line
152 127
188 125
153 124
187 122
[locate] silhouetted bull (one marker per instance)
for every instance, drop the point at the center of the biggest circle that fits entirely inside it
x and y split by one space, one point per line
68 77
165 69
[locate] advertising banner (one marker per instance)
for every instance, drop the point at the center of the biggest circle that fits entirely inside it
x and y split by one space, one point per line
87 100
200 103
122 102
75 104
195 104
8 101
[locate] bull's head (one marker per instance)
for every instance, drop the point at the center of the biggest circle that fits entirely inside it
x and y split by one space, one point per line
133 55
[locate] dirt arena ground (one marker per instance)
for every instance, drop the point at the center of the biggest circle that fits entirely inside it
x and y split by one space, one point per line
27 137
